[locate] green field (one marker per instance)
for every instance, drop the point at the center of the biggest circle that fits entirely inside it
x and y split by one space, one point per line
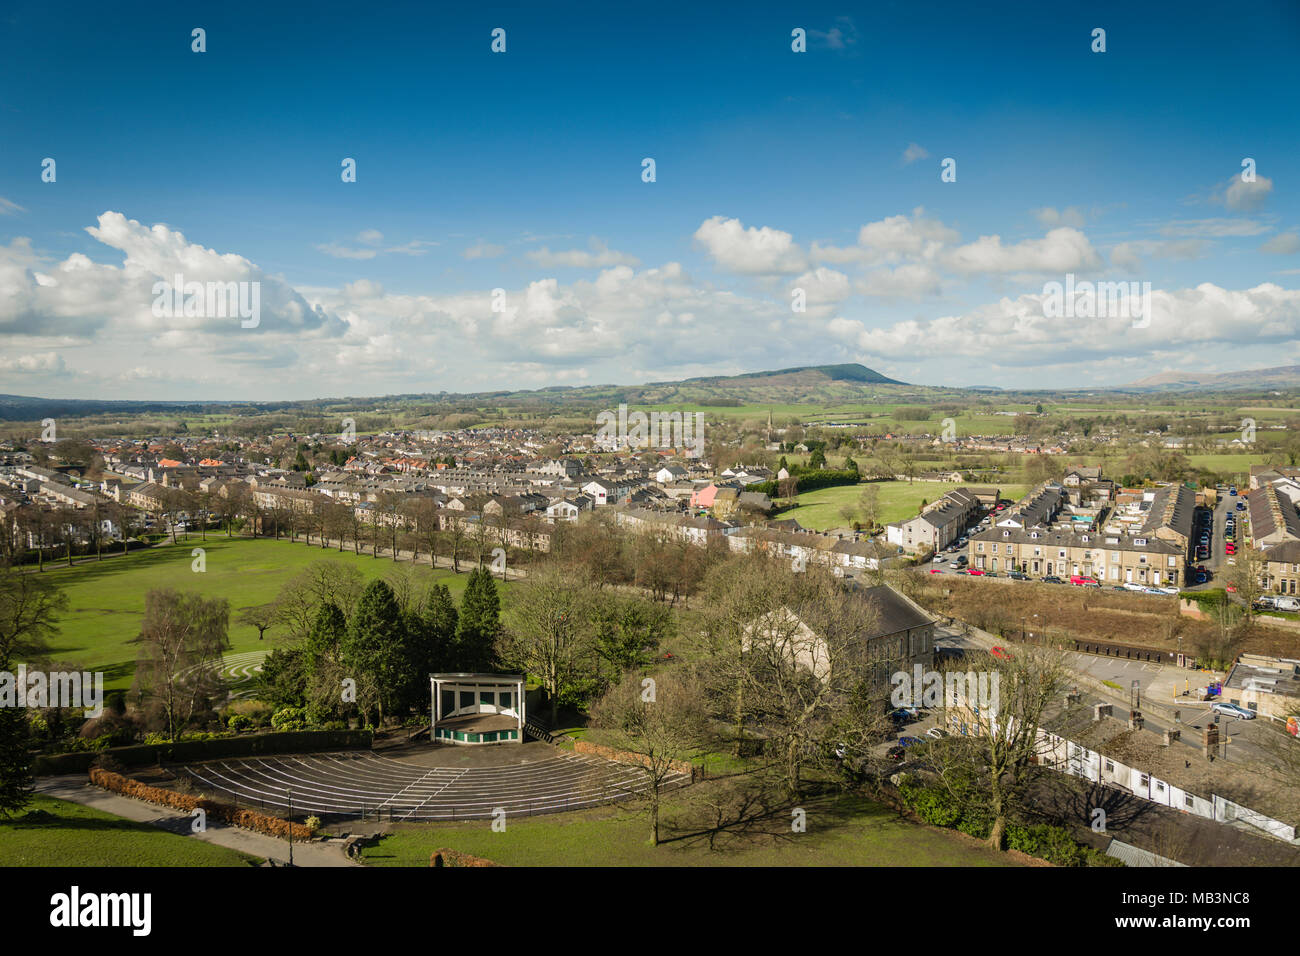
58 833
841 831
819 510
106 598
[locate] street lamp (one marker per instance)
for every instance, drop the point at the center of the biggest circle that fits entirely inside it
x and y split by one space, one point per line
290 792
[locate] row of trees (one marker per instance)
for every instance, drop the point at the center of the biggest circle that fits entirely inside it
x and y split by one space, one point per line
370 649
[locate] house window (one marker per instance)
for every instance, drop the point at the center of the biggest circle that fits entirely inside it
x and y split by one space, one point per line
1188 801
1110 766
1145 780
1160 787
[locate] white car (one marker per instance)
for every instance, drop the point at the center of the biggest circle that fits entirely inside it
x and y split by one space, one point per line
935 733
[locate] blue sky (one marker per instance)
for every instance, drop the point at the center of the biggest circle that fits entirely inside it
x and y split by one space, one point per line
521 171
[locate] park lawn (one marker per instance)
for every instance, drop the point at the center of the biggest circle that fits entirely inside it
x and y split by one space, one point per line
55 832
843 830
819 510
106 598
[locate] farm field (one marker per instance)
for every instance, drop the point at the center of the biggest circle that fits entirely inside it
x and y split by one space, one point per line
55 832
106 598
842 831
820 510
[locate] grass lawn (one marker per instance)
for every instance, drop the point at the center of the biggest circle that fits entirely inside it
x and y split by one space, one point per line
58 833
106 598
842 830
819 510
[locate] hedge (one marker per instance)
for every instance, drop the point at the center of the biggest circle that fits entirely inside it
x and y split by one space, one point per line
195 750
809 481
248 819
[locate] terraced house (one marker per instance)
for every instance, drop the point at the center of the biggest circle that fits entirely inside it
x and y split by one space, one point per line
937 526
1111 558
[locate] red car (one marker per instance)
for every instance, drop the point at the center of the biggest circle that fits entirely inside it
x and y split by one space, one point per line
975 571
1229 548
936 571
1001 653
1232 589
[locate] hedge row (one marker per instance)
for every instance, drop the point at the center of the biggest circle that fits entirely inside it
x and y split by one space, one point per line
235 816
446 857
809 481
937 807
143 755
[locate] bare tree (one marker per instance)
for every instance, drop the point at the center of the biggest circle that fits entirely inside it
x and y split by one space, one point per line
178 674
1001 718
661 720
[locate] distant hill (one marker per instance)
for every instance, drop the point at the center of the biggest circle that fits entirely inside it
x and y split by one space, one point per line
802 373
1281 376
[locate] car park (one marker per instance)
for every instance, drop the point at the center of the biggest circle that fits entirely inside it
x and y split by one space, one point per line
1232 710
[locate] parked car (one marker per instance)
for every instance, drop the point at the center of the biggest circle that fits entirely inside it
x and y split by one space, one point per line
936 733
1052 579
910 741
1229 548
1286 603
1081 581
1232 710
1001 653
975 571
936 570
896 753
1018 576
1233 491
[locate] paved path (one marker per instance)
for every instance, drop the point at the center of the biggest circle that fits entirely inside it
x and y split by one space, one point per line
76 789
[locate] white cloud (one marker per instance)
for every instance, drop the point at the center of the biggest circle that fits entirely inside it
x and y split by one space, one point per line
1061 250
599 256
1242 196
1051 217
914 152
36 362
1213 228
484 250
8 207
1283 244
752 251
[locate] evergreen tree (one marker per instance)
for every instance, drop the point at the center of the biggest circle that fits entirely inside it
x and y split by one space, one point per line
479 623
851 465
439 619
817 459
374 649
326 637
15 761
783 464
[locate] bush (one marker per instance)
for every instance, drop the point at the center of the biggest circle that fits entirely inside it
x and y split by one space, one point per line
238 722
289 718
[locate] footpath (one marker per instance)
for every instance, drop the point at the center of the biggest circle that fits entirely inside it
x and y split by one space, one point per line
77 789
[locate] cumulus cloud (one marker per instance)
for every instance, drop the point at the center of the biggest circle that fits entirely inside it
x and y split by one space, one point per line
37 362
1240 196
1016 332
752 251
1061 250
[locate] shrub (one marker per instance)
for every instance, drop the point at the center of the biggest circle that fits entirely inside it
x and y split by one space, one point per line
289 718
238 722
